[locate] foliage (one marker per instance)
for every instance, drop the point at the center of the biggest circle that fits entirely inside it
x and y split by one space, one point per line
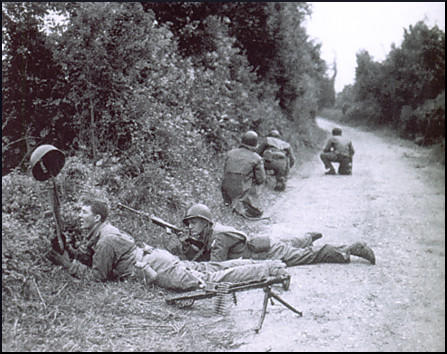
285 60
144 111
32 106
401 91
426 122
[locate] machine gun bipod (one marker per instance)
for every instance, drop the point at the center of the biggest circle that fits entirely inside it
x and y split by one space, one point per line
187 299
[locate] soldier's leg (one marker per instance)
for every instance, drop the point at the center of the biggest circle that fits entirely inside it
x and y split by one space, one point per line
327 158
303 241
251 203
281 169
248 272
345 167
280 183
299 256
359 249
222 265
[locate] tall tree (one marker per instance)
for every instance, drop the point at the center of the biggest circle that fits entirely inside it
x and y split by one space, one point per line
30 75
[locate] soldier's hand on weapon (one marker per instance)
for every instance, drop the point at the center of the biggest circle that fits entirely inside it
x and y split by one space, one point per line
193 243
72 251
59 259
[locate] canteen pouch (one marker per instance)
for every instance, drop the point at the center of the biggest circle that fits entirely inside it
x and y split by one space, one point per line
259 244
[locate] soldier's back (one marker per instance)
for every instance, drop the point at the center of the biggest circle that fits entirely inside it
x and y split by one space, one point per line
241 161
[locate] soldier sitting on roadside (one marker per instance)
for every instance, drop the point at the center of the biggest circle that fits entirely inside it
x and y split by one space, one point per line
243 172
116 257
338 149
278 157
222 242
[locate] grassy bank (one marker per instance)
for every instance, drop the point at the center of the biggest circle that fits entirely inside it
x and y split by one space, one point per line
44 309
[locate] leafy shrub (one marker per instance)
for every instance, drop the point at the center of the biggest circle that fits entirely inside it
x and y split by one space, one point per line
368 112
426 122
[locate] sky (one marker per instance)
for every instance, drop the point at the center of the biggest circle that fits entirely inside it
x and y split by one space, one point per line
344 28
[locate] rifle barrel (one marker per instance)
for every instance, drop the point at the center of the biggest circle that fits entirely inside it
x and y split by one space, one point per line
156 220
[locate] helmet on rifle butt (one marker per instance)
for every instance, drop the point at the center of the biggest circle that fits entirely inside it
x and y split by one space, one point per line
198 211
46 162
250 138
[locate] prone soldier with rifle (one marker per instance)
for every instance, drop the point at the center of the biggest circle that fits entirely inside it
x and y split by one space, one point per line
191 247
115 256
110 254
223 242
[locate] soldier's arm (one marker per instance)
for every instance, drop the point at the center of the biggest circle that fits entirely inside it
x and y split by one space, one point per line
328 146
220 247
261 148
291 156
102 264
351 149
259 172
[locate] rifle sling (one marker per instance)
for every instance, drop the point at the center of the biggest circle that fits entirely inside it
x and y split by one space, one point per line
199 253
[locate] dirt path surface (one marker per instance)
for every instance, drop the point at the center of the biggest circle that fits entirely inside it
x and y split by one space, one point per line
395 201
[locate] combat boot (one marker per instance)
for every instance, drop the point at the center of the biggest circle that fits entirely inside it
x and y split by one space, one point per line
360 249
331 171
315 235
280 186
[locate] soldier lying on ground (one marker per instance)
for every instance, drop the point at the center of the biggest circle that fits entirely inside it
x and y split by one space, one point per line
243 172
222 242
114 256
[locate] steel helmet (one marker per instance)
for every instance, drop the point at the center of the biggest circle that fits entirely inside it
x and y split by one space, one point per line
46 161
198 211
250 138
274 133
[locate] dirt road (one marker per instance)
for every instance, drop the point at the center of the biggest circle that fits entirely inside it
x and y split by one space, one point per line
395 201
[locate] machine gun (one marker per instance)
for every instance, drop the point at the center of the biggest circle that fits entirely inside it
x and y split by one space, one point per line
198 247
222 290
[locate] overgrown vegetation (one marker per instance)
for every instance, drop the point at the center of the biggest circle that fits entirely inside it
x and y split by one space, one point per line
406 91
144 112
144 99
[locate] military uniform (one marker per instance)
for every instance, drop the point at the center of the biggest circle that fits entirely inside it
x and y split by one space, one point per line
243 172
338 149
226 242
278 157
115 257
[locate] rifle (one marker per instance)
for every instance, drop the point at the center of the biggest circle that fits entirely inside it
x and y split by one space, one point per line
198 246
59 243
219 289
155 219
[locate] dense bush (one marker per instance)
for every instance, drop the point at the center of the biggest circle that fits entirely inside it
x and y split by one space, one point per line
155 66
142 120
426 122
406 90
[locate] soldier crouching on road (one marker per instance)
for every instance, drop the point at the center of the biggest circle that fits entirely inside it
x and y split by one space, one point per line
243 172
114 256
222 242
338 149
278 157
